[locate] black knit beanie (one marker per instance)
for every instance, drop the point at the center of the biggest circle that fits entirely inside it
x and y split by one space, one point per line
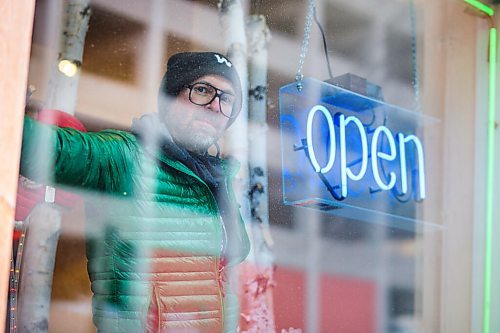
184 68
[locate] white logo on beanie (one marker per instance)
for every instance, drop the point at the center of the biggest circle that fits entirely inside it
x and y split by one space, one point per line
223 60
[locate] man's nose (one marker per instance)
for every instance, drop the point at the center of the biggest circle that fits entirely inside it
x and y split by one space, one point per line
214 105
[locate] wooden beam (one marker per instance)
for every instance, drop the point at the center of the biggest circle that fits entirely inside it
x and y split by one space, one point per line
15 41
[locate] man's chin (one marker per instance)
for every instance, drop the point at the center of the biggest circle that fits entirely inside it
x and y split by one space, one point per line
197 142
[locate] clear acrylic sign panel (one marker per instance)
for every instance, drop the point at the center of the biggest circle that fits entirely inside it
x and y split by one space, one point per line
330 136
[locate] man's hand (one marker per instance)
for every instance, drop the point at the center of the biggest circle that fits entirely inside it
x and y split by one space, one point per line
32 106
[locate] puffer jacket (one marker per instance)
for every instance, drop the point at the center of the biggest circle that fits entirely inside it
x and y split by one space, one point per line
154 233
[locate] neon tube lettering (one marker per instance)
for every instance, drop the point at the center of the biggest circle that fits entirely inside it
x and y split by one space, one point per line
383 156
345 171
377 157
402 157
331 128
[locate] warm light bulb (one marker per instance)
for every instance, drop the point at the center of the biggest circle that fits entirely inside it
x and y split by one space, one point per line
68 68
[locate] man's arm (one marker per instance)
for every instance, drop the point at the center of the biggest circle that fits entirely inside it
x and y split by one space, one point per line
101 160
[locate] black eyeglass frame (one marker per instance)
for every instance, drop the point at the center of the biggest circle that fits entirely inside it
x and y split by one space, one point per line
218 93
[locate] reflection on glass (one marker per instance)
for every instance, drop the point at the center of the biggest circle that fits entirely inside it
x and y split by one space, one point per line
333 273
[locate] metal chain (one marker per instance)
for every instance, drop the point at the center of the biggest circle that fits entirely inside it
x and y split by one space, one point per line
414 61
305 43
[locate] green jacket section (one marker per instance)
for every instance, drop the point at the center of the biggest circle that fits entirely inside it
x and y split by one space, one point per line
154 233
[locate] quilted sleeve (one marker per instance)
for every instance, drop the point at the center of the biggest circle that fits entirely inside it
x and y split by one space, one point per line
101 160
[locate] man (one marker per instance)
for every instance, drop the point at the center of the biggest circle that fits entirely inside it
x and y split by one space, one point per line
161 239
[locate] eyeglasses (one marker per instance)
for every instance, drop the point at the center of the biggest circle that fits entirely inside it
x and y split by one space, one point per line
201 93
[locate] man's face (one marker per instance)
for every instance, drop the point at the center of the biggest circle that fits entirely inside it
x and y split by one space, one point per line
197 127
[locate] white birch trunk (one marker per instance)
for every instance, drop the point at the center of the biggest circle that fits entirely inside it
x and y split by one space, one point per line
236 140
233 27
45 221
257 273
63 89
37 269
258 35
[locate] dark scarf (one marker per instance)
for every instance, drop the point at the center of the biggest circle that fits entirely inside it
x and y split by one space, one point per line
152 133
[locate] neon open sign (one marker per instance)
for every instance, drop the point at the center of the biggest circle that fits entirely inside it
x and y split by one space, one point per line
350 155
369 151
